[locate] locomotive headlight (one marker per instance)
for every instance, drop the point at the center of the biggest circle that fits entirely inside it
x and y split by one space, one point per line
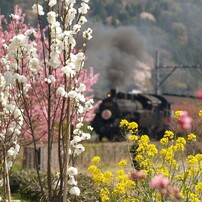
106 114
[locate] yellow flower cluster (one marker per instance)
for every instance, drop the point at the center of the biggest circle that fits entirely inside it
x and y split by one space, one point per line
184 172
200 113
177 114
191 137
169 134
123 123
96 159
131 127
122 163
120 190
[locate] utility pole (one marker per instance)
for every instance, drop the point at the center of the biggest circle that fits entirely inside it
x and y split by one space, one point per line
158 83
157 90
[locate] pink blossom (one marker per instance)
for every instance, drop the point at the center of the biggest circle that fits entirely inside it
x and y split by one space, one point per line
37 93
198 94
160 183
184 120
137 175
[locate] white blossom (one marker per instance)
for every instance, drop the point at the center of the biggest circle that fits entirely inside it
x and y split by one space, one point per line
78 60
14 17
79 148
82 87
52 3
34 65
2 82
88 105
51 17
69 40
13 66
70 1
76 131
9 165
75 140
87 34
72 94
54 59
80 109
26 88
17 132
72 181
18 41
81 97
76 28
72 171
85 136
38 9
16 113
74 191
68 70
61 91
82 20
84 8
79 125
50 79
29 32
11 151
90 128
70 15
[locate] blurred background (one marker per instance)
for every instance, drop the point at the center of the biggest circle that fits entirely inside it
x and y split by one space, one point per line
126 36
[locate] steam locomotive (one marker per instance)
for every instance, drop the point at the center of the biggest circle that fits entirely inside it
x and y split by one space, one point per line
150 111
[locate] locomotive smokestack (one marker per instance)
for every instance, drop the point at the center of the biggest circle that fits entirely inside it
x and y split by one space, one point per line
113 92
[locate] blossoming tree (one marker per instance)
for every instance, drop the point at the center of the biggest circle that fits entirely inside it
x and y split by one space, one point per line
49 87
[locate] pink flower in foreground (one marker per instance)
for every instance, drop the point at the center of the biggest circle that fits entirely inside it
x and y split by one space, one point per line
184 120
198 94
161 183
137 175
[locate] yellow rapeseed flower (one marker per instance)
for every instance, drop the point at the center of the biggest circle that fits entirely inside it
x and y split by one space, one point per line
151 150
192 160
167 154
95 159
191 137
194 198
180 143
132 137
108 177
177 114
144 139
169 134
123 123
104 193
200 113
119 189
180 177
139 158
163 170
198 187
164 141
92 169
133 126
122 163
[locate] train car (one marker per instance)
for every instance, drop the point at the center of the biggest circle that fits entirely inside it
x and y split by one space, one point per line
150 111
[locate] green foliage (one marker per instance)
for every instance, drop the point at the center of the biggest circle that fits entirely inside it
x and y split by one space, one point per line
25 184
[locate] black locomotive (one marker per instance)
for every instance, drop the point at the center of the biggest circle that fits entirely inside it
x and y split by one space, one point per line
150 111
